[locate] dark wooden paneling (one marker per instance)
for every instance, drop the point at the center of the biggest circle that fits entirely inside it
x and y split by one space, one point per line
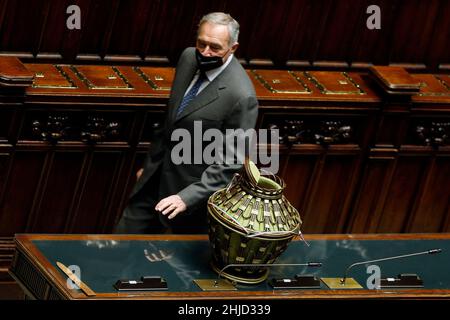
336 37
6 120
51 43
368 206
414 31
432 200
326 210
297 174
6 255
391 129
130 163
91 205
323 33
372 46
402 190
61 179
131 26
4 166
11 291
346 149
20 191
439 49
95 33
21 29
153 121
446 224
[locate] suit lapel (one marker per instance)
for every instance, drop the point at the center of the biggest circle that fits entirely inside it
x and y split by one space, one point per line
205 97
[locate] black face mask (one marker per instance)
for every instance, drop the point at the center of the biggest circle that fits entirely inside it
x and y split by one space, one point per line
208 63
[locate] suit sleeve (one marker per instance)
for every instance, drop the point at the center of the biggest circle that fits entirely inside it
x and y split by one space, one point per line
216 176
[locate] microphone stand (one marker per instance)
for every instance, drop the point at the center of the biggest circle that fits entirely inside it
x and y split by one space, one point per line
432 251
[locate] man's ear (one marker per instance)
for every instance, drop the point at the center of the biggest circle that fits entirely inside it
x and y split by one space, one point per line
234 47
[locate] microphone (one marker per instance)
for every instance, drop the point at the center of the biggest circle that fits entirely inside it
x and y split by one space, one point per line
432 251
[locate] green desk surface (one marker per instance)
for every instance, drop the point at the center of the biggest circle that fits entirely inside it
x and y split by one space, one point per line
104 259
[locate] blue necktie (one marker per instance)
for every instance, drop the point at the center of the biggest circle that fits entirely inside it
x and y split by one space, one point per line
191 94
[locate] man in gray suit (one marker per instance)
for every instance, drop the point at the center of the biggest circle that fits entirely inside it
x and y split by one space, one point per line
210 86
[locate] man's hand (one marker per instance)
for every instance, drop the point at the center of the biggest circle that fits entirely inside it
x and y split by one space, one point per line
139 173
173 205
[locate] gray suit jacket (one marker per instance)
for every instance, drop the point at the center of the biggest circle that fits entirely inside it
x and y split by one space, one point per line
228 102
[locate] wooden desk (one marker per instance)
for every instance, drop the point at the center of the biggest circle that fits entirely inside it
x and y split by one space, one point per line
103 259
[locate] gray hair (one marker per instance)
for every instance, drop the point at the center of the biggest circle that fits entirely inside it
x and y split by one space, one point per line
223 19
